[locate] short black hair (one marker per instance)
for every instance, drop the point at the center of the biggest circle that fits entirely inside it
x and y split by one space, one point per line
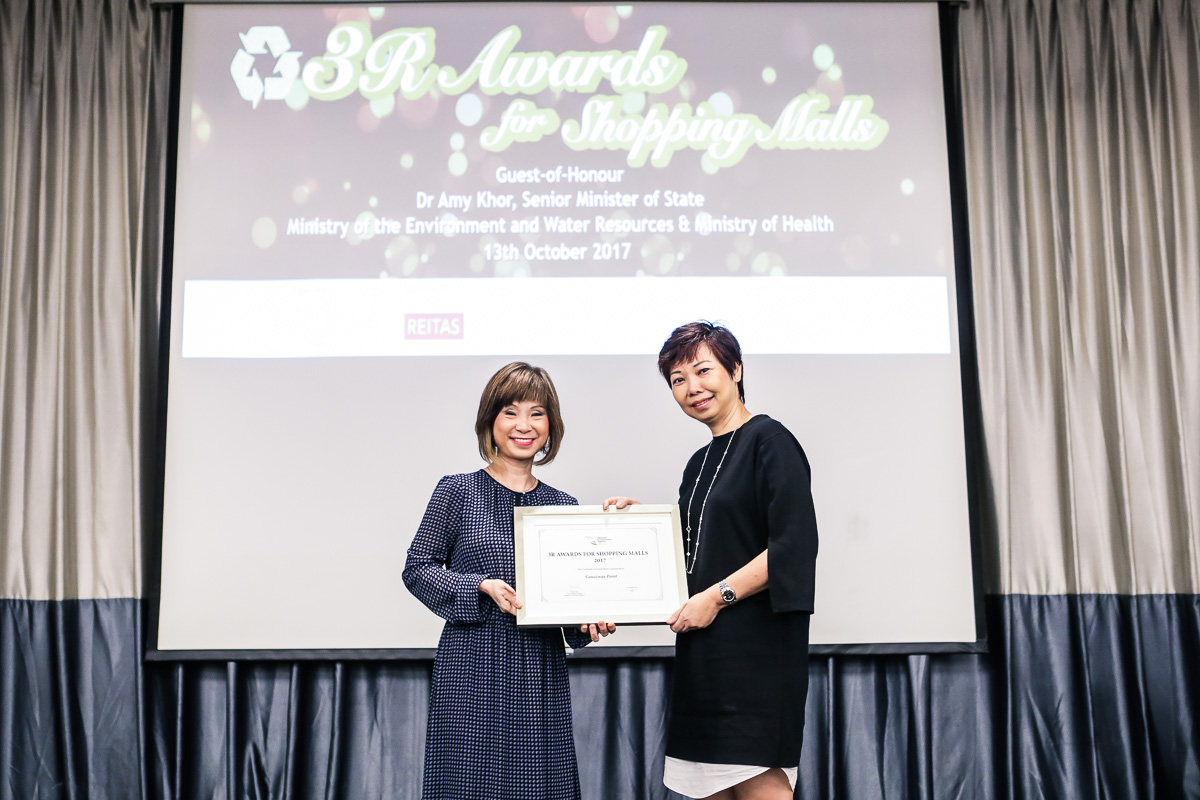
686 340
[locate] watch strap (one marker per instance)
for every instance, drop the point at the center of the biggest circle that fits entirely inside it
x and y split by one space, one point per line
728 595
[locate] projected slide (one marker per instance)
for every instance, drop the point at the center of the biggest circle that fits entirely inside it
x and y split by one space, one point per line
379 206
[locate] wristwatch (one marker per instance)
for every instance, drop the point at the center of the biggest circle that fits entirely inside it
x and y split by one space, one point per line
727 593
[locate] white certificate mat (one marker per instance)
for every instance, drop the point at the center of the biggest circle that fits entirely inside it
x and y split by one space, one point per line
578 564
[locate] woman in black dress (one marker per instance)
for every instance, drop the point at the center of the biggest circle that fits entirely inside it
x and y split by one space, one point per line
750 544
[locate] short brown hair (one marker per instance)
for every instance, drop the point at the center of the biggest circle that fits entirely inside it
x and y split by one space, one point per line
518 382
686 340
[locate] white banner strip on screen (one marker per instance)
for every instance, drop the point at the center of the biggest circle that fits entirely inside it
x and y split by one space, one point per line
559 316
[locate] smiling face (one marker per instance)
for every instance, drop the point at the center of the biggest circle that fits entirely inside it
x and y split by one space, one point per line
520 430
704 389
519 403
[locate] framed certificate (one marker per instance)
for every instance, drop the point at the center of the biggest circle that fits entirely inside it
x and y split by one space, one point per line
578 564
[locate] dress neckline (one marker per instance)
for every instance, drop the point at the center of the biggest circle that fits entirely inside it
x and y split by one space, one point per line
492 478
727 434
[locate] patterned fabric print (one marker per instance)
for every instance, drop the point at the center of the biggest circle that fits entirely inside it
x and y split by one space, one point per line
500 703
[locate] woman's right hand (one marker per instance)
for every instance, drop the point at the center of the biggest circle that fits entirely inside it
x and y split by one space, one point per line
504 595
620 502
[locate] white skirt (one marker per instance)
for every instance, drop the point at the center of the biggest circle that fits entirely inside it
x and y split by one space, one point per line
697 779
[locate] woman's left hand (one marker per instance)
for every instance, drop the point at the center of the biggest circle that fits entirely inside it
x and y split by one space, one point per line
698 612
597 629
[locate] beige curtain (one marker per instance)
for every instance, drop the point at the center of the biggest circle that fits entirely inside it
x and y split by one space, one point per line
83 103
1083 153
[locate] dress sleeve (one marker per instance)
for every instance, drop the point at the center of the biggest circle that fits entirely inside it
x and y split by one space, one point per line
451 595
576 638
784 491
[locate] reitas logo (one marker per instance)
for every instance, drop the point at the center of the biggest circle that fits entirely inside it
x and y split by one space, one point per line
256 42
433 326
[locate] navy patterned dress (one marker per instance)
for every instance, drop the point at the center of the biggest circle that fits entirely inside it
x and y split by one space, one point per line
500 703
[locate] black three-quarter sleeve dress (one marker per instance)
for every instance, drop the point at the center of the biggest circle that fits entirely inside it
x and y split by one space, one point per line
500 702
740 684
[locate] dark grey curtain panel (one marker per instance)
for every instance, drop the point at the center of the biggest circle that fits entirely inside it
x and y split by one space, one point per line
892 727
70 699
357 730
1082 134
1081 697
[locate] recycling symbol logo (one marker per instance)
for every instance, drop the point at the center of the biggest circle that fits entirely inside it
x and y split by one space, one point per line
256 42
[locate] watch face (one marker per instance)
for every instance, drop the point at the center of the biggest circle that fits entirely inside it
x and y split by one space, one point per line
728 596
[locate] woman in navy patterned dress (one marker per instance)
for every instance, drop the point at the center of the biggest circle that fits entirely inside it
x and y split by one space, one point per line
500 703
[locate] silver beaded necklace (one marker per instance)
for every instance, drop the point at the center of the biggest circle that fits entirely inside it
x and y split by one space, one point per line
693 555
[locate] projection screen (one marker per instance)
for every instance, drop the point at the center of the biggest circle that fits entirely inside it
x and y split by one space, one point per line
378 207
